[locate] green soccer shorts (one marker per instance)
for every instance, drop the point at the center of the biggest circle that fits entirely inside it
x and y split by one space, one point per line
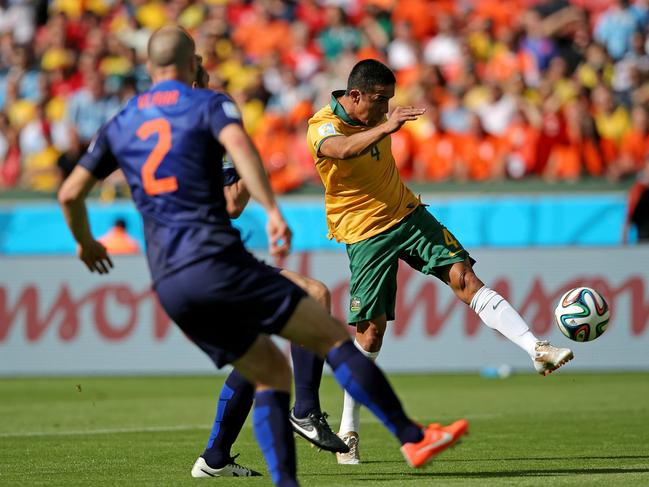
419 240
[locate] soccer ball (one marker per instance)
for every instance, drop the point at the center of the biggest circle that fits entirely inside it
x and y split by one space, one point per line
582 314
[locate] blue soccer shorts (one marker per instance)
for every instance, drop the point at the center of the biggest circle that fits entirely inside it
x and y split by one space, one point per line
224 302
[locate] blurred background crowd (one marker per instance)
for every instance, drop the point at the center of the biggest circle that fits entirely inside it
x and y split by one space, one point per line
513 89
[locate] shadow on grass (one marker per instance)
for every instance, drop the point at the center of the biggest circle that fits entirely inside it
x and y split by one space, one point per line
519 459
417 476
562 458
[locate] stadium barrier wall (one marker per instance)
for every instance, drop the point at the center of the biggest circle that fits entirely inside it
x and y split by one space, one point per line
478 221
57 318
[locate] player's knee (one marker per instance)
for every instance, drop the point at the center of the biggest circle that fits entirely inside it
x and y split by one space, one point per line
318 291
372 343
464 282
472 284
371 338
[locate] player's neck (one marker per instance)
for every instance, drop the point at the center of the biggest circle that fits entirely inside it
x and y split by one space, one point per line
171 74
348 106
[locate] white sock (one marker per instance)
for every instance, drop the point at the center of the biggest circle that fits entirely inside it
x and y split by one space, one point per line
497 313
350 420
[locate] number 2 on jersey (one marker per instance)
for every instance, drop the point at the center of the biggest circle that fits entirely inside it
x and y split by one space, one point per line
153 186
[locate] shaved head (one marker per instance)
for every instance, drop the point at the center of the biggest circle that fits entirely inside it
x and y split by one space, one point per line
171 46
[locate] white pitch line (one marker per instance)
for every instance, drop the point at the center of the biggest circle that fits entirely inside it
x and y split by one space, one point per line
103 431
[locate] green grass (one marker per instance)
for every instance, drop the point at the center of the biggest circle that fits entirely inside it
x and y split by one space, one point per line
566 429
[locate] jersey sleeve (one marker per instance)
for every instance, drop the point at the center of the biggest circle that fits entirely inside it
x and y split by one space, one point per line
222 111
99 159
321 130
230 174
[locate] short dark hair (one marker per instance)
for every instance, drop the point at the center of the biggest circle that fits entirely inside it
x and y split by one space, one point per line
367 74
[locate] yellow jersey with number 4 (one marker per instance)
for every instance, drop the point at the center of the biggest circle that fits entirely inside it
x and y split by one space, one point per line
364 195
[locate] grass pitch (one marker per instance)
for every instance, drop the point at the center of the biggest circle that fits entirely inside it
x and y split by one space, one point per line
566 429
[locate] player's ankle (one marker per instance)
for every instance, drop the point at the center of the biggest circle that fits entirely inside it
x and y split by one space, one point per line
216 460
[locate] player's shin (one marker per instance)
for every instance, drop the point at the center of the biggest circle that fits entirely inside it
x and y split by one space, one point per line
235 402
275 436
366 383
496 312
350 420
307 369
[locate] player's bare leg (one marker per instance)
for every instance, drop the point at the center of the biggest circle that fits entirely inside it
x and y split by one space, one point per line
314 288
369 339
313 327
264 365
496 312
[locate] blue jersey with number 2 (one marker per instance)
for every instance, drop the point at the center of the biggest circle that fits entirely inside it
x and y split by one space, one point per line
166 142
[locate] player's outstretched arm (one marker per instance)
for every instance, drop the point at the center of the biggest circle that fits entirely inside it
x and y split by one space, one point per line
346 147
248 163
72 198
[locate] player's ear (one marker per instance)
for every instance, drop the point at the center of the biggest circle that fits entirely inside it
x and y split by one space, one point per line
355 95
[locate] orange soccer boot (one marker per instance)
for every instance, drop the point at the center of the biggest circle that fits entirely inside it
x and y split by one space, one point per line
437 438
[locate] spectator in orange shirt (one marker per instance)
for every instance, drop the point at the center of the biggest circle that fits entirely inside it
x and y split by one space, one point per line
553 131
403 146
262 34
564 158
520 140
435 156
481 154
274 141
418 13
589 143
505 62
117 240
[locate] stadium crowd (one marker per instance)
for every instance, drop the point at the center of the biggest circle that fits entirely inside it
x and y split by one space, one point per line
553 89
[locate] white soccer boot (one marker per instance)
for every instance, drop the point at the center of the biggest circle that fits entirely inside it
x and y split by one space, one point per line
353 456
549 358
232 469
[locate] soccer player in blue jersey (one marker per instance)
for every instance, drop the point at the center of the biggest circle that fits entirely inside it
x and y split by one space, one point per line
237 394
166 142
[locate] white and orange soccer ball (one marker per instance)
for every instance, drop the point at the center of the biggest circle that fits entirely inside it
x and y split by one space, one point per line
582 314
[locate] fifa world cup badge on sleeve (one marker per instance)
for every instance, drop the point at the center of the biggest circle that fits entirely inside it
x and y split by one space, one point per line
355 304
231 110
326 129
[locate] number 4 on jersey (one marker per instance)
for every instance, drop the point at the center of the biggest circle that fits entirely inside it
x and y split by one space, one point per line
162 128
449 239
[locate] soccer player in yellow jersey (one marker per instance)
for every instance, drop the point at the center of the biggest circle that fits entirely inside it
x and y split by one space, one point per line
370 209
